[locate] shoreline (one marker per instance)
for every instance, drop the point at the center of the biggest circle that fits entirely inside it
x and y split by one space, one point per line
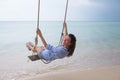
110 73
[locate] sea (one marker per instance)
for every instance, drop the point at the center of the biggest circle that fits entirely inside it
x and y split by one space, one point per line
98 45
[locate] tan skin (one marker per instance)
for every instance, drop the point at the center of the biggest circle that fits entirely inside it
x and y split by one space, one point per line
66 41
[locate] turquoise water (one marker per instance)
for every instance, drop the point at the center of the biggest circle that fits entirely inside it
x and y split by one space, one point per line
98 45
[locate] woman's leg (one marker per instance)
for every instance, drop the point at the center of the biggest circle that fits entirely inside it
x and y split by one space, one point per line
36 49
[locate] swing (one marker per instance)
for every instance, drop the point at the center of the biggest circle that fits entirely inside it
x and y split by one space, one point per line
34 57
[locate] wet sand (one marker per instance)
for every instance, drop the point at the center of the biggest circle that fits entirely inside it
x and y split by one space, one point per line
112 73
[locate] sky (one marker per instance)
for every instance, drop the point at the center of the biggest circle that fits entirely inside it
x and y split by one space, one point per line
78 10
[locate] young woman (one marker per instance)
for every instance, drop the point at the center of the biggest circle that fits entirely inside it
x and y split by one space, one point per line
49 52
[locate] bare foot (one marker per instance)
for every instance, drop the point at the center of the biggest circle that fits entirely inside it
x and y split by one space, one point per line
28 44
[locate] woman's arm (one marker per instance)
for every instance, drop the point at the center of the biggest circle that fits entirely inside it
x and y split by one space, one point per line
65 29
41 37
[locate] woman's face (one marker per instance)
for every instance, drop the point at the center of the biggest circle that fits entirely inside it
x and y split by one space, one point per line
66 41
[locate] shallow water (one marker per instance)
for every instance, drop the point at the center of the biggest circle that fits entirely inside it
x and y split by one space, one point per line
98 45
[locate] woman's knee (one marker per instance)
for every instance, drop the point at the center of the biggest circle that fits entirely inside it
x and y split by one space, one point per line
39 48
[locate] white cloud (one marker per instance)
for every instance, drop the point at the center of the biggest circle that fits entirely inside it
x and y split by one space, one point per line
18 9
86 3
27 9
54 9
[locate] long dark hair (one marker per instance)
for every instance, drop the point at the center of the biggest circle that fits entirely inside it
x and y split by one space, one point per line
72 45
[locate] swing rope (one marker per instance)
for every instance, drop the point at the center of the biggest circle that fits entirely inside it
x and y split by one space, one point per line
61 38
36 38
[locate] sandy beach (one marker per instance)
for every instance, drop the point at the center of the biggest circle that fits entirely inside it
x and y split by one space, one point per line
112 73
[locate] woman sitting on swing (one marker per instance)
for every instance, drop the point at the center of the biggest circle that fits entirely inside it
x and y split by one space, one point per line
49 52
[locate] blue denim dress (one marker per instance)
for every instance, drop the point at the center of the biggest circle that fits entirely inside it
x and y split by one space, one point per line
52 53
